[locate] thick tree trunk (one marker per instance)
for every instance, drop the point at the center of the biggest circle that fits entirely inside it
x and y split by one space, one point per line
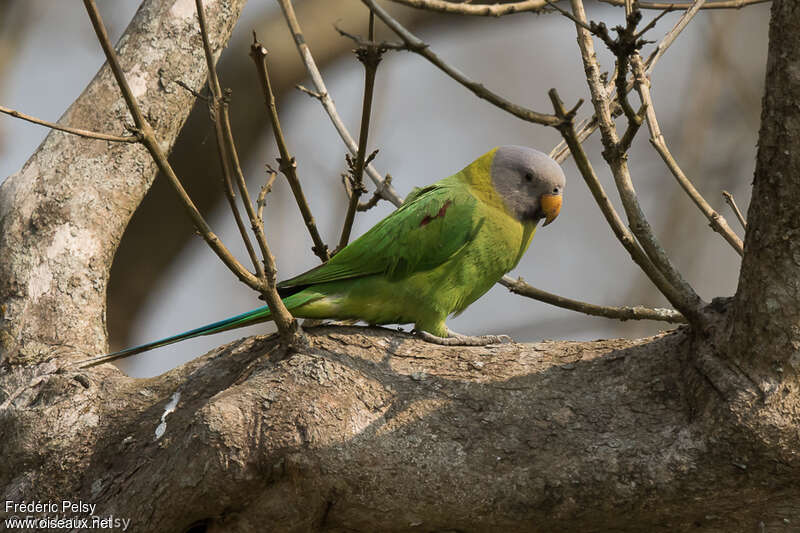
370 430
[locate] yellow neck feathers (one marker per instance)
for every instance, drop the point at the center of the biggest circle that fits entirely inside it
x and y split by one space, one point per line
478 175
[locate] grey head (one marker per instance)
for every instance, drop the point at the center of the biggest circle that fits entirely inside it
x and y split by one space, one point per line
530 183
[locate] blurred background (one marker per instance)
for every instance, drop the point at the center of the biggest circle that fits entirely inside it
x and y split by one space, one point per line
706 89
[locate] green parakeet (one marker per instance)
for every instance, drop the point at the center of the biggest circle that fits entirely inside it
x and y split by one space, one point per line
440 251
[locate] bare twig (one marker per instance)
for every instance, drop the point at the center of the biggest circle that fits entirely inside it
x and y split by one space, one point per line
684 298
674 6
135 138
668 39
554 5
231 165
606 207
486 10
327 102
370 56
309 92
218 106
382 45
638 312
494 9
414 44
215 109
732 203
262 195
288 165
717 221
375 198
586 128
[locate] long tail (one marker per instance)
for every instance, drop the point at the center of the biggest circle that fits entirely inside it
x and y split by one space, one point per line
262 314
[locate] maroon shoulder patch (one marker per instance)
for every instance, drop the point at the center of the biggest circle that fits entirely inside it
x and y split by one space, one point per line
427 220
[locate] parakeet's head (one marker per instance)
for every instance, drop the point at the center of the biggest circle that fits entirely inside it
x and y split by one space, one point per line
530 183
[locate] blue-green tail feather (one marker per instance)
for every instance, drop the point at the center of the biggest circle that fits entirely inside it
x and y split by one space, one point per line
255 316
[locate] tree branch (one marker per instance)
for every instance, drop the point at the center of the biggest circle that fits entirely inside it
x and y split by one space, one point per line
717 221
284 321
683 297
385 190
287 163
414 44
673 6
135 138
732 203
766 337
637 312
606 207
485 10
218 109
370 56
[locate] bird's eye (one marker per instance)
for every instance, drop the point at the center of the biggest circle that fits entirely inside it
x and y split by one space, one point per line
528 177
555 191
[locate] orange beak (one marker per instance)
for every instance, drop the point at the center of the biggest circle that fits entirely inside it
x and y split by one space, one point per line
551 206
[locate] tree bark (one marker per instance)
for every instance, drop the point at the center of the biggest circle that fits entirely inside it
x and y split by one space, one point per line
372 430
767 313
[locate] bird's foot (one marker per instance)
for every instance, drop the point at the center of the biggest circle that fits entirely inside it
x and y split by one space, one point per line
456 339
318 322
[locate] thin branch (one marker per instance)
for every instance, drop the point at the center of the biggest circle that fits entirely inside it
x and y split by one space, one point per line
382 45
732 203
385 190
417 46
668 39
537 6
135 138
370 56
485 10
288 165
309 92
217 106
683 297
622 233
554 5
674 6
375 198
638 312
151 143
231 157
262 195
717 221
227 180
589 126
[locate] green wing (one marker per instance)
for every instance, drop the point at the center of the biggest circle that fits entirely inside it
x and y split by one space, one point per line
433 225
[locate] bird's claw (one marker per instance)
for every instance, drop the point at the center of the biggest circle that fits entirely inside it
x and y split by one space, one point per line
456 339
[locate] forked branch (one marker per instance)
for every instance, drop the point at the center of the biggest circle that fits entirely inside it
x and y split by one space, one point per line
683 296
370 56
384 189
287 163
416 45
717 221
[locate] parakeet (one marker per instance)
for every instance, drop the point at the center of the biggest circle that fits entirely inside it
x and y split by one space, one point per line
442 249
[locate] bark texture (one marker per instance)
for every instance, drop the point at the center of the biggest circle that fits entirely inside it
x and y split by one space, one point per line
767 319
372 430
